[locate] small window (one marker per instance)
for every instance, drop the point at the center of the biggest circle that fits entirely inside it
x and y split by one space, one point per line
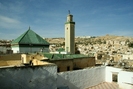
68 68
58 69
114 77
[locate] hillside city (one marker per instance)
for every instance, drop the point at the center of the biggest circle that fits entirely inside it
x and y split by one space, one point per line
108 50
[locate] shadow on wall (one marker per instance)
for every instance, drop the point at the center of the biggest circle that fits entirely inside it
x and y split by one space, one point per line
81 79
62 81
63 87
28 78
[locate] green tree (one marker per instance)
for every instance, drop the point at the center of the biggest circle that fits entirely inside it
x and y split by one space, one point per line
130 44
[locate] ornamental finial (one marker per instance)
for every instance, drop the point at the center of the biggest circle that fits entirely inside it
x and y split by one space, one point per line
68 11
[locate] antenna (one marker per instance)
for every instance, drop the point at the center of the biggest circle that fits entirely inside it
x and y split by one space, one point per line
68 11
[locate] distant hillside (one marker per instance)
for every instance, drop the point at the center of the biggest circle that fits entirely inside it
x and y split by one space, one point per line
113 37
100 39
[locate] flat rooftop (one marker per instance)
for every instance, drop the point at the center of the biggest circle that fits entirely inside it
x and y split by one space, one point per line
112 85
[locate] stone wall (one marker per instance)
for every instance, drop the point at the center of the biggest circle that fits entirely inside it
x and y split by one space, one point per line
84 62
81 79
74 64
11 59
64 64
36 77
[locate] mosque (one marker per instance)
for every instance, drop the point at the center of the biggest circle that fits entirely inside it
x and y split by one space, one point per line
29 42
32 42
30 48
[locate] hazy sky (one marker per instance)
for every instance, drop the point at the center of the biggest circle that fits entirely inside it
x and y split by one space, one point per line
47 17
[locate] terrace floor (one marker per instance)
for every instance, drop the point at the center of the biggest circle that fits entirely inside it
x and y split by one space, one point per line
112 85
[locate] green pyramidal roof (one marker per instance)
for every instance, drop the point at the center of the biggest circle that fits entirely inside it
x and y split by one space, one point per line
30 37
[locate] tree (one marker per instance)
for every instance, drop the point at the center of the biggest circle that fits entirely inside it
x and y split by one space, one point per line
76 50
130 44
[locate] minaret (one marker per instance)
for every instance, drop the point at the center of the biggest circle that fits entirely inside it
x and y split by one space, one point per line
70 35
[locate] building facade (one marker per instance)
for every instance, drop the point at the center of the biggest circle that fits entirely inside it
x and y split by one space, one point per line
69 62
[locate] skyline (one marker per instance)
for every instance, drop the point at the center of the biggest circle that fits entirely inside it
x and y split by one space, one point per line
47 18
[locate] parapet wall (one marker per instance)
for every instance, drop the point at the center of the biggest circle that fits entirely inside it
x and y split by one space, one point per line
125 77
122 76
46 77
81 79
36 77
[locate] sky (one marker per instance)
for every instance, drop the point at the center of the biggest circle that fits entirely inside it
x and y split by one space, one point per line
47 17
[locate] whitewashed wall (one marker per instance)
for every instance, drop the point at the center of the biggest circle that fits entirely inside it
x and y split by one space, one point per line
125 77
37 77
81 79
15 49
33 49
110 71
29 49
46 77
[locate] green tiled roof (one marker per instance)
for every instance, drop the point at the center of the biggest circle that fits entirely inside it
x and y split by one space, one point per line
30 37
63 56
48 55
58 56
60 50
78 56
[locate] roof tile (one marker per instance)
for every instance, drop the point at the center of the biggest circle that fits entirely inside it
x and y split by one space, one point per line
30 37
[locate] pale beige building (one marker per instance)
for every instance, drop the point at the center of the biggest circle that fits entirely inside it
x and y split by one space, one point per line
127 56
70 35
19 59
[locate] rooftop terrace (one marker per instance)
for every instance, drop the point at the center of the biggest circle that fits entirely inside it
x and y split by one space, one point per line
112 85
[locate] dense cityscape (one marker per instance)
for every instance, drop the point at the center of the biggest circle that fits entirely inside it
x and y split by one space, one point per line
109 49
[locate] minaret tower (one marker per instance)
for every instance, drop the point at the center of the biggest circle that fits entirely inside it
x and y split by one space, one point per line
70 35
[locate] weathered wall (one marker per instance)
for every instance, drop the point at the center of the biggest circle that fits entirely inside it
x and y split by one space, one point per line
10 63
63 64
46 77
84 62
77 63
18 59
81 79
37 77
11 59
